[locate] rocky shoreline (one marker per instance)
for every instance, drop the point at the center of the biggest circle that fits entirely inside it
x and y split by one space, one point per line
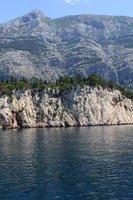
81 106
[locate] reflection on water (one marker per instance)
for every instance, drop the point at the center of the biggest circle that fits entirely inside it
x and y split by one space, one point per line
67 163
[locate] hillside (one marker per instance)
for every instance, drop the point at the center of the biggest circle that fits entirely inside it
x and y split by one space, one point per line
37 47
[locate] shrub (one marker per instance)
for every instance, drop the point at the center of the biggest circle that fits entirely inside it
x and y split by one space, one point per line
63 83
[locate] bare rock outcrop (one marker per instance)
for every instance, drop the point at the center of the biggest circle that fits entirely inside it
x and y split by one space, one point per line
86 106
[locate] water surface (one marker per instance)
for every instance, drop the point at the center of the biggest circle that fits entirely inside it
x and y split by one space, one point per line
94 163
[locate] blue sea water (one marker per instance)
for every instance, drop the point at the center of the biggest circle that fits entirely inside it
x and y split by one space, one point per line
94 163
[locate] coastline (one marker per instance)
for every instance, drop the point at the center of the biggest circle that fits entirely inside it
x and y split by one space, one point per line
76 107
67 127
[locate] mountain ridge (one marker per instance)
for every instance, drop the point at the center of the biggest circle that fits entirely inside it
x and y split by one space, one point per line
70 15
35 46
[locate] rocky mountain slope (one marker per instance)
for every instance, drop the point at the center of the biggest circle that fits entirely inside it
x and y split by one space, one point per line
82 106
35 46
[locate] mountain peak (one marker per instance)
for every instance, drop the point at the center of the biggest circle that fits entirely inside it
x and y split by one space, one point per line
37 12
34 14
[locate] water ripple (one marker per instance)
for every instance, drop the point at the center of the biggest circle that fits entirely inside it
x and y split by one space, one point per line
94 163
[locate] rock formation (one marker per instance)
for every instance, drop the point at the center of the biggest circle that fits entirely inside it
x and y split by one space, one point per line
81 106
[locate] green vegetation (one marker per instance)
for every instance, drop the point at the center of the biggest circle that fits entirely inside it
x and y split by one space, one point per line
63 83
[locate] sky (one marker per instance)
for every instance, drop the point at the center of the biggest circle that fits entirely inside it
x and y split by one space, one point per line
10 9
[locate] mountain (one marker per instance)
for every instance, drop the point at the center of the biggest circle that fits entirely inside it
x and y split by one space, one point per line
37 47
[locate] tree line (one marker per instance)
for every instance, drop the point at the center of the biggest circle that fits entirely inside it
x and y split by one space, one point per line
63 83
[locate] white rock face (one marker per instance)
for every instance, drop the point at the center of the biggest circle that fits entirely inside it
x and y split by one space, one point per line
74 107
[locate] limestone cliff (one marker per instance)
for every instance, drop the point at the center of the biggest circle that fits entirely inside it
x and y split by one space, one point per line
73 107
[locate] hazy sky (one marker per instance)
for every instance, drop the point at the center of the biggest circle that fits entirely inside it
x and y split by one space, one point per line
10 9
